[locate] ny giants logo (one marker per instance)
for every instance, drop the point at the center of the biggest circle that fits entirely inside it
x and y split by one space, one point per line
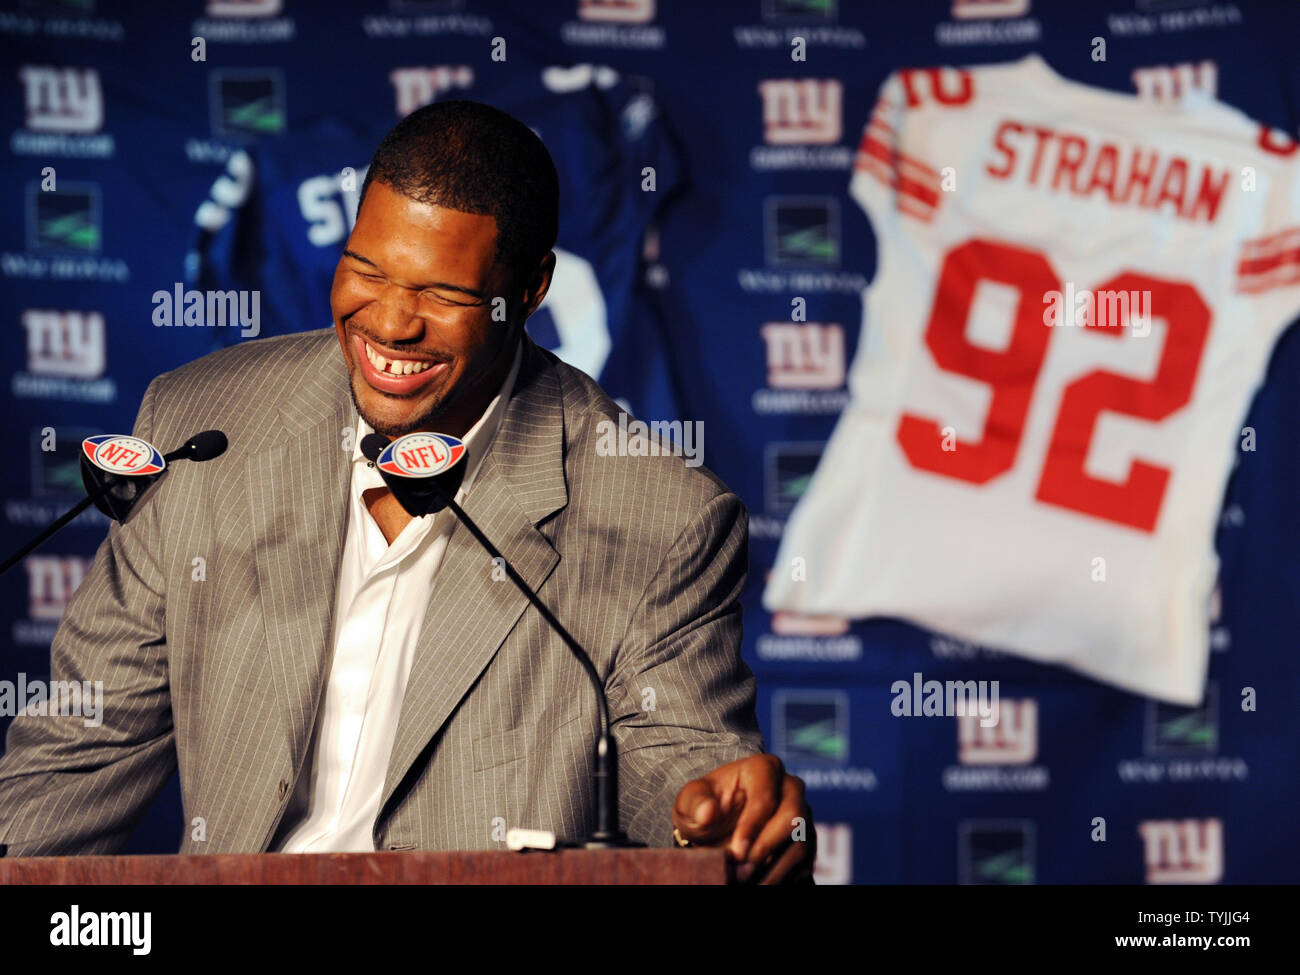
51 581
421 455
418 86
62 99
802 110
1011 740
64 343
804 355
982 9
1187 851
244 8
617 11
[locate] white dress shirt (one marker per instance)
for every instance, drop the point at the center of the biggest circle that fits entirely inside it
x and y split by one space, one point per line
383 592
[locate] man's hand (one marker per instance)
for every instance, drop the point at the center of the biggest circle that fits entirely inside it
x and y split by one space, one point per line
755 810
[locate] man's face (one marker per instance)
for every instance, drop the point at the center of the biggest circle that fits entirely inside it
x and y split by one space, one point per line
412 305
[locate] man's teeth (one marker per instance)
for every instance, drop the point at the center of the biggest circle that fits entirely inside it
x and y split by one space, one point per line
395 367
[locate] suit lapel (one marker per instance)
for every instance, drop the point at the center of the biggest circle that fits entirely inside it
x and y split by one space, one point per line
298 488
520 483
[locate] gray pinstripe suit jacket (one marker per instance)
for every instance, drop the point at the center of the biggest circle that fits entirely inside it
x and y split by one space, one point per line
642 558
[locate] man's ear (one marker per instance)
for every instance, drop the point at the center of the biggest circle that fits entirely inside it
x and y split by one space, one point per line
536 285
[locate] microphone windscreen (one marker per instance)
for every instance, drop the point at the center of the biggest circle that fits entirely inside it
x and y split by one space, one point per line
372 445
206 445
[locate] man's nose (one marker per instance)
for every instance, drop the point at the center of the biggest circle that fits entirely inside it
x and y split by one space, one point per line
398 318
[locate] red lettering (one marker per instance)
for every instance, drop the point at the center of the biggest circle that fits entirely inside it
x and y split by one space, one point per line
1042 135
938 87
1210 194
1136 500
1173 190
1088 169
1104 169
1000 144
1137 177
1068 160
1010 374
1270 141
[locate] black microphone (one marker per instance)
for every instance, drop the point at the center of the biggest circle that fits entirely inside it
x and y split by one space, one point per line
400 464
115 492
200 447
423 494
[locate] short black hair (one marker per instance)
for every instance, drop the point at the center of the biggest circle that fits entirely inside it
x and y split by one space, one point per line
472 157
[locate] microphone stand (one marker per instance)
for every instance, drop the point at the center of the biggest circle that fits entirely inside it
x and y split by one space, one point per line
110 481
201 447
424 495
607 834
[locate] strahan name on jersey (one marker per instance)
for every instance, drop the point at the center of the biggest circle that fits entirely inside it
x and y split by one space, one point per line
1077 296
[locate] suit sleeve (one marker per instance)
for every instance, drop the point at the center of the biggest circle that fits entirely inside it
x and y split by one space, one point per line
77 784
681 698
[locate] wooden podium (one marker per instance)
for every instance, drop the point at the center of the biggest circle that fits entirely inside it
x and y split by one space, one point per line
634 866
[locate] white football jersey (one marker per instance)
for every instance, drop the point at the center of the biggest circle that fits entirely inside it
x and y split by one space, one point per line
1076 298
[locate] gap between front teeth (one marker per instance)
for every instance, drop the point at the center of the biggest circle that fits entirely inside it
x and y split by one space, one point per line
400 367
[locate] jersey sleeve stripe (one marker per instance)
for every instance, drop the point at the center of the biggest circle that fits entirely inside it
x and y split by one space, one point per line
1269 262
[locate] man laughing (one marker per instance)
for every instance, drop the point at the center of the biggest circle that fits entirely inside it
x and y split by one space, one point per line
350 677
